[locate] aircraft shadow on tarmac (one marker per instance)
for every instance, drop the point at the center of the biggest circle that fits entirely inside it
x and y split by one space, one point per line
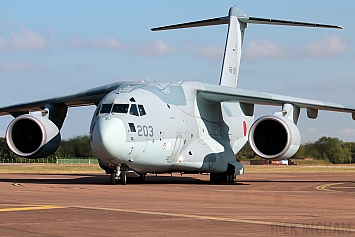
298 181
105 180
99 180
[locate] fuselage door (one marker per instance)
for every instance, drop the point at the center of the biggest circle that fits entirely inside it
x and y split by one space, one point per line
176 150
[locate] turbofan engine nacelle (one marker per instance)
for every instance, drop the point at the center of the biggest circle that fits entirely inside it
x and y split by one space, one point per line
274 137
32 136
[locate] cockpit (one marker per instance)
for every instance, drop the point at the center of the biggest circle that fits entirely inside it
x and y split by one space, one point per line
132 109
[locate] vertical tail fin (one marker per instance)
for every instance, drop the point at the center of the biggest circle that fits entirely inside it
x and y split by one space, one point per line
233 48
237 22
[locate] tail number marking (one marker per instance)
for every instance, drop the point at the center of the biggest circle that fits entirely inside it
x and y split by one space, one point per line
145 130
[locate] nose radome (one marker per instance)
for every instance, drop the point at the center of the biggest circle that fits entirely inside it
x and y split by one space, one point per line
109 138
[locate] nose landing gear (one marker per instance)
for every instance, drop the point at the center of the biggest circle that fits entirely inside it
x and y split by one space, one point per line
123 177
113 178
122 173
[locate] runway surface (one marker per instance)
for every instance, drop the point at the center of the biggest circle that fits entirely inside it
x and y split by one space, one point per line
258 204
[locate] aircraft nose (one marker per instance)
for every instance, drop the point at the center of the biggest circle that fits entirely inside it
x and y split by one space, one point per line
109 138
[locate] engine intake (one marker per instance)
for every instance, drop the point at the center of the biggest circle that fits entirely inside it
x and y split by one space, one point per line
32 136
273 137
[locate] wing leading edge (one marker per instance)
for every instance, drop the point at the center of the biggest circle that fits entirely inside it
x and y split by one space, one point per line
223 94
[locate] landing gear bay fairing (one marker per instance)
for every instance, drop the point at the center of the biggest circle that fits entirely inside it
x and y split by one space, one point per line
176 126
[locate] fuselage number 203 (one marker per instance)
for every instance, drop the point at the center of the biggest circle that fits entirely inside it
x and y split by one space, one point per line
145 130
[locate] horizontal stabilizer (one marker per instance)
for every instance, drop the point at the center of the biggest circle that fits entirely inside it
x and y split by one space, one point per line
258 20
209 22
244 19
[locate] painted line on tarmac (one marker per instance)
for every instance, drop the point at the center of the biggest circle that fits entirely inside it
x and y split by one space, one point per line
227 219
326 187
30 208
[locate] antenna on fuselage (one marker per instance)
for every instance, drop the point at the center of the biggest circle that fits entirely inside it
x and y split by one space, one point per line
237 22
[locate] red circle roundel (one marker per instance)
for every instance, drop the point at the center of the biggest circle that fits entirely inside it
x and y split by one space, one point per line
244 128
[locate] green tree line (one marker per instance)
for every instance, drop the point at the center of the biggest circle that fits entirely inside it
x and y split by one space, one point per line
77 147
326 148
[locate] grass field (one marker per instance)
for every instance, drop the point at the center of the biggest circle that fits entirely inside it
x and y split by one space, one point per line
51 169
298 168
95 169
314 162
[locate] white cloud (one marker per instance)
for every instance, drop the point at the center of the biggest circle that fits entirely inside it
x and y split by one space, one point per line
146 48
329 47
155 48
210 52
107 43
25 40
15 67
257 50
349 132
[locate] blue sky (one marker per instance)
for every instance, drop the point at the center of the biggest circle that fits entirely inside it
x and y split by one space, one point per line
50 48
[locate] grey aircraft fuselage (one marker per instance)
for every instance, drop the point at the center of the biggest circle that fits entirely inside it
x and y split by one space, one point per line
158 127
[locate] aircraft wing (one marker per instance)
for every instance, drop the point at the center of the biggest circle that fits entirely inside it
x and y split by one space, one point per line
209 92
83 98
223 94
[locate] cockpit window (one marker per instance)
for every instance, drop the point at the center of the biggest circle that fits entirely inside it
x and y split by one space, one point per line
141 110
133 110
105 108
120 108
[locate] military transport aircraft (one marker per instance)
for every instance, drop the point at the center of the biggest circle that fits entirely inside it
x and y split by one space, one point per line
176 126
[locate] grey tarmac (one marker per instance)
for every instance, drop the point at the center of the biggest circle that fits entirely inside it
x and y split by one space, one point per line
258 204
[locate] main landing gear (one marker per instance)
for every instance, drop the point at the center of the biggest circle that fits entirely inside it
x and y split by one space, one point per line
229 176
225 177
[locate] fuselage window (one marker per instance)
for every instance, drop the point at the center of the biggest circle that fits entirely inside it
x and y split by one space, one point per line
141 110
133 110
132 128
105 108
120 108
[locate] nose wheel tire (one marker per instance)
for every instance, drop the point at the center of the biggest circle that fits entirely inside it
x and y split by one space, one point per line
113 178
123 177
